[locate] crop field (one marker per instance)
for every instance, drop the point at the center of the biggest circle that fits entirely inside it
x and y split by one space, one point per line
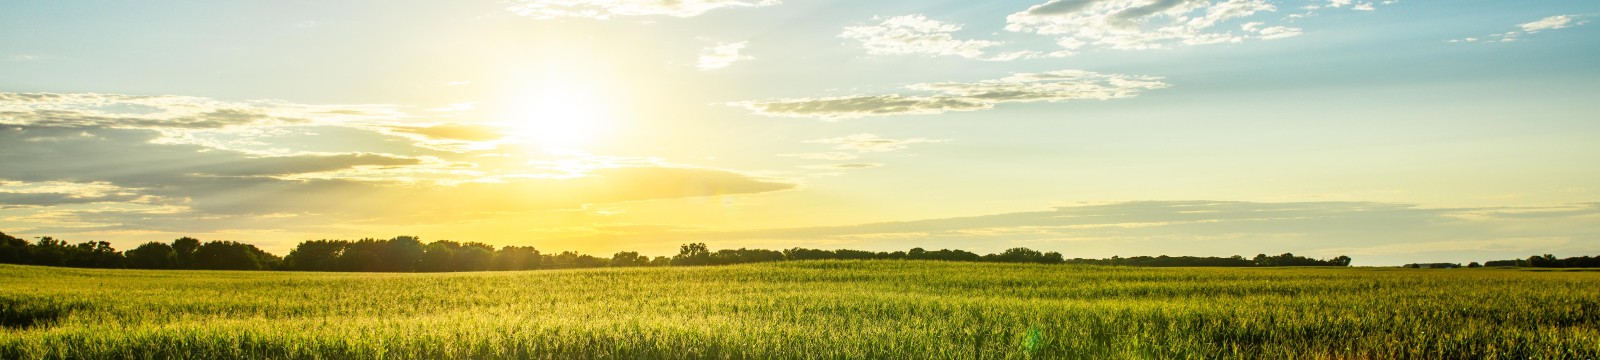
804 309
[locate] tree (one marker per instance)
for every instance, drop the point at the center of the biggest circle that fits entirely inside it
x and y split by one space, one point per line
1051 258
94 254
692 254
474 257
1498 263
50 252
14 250
1543 261
439 256
184 249
405 252
743 256
1024 255
516 258
229 255
565 260
804 254
152 255
590 261
315 255
361 259
629 258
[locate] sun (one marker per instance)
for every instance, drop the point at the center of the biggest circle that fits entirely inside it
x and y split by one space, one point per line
557 120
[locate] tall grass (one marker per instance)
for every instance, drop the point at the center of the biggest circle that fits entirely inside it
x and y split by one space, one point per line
812 309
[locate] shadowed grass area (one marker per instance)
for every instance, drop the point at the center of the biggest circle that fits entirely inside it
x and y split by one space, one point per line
21 312
812 309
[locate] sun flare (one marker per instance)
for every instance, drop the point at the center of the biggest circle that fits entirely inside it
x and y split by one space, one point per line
558 120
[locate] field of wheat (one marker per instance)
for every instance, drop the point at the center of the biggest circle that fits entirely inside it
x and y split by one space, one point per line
805 309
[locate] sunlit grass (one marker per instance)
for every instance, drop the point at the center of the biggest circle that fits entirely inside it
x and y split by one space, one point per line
808 309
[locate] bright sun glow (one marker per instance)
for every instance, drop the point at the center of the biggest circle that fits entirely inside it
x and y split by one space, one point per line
557 120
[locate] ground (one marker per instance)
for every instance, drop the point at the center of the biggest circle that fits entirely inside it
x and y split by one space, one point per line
805 309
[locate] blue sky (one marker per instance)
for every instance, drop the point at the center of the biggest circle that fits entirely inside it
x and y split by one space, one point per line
1445 131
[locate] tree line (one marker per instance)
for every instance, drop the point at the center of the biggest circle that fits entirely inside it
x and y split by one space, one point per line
183 253
410 254
1549 261
1262 260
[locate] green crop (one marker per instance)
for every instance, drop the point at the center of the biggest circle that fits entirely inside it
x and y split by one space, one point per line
804 309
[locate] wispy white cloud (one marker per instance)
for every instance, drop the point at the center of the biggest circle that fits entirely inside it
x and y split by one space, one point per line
970 96
170 112
1546 24
852 145
918 35
848 166
1352 5
1159 24
14 194
872 143
605 9
198 120
1137 24
1279 32
721 55
823 156
1551 23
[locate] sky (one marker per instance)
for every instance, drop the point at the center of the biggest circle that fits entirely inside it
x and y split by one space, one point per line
1389 131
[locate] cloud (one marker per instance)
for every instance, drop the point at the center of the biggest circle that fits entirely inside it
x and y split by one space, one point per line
858 143
25 194
1051 86
454 132
721 55
171 112
1279 32
823 156
132 158
100 162
227 203
223 187
203 121
605 9
1546 24
1550 23
1361 6
849 166
1139 25
872 143
918 35
298 164
1373 233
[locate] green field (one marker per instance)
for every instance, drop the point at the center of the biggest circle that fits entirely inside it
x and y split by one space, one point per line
807 309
